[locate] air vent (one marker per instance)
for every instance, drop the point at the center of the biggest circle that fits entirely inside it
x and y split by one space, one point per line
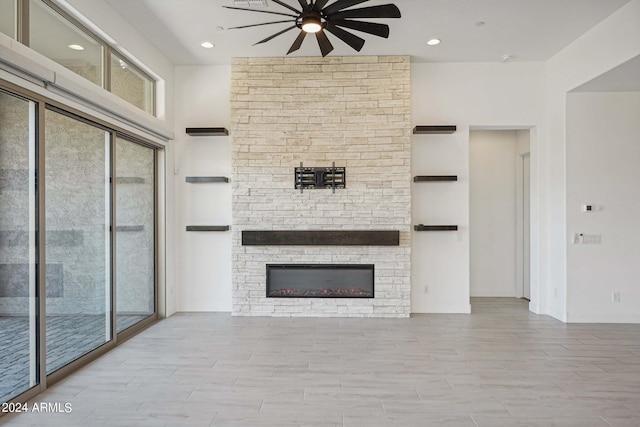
250 3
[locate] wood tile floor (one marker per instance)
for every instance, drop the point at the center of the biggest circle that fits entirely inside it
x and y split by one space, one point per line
68 338
499 366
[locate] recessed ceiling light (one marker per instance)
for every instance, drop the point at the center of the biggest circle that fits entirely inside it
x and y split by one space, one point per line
433 42
76 47
207 45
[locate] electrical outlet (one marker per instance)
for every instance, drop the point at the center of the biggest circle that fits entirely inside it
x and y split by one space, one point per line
615 296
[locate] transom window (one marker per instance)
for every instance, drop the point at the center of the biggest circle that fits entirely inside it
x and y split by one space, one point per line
49 30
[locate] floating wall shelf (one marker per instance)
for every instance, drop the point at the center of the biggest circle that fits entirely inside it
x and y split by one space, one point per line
203 179
434 178
207 131
434 129
422 227
208 227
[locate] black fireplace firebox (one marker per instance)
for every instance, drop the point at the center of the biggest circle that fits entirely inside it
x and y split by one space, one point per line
320 281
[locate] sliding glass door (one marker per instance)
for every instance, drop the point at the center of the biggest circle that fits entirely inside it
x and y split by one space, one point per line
78 240
18 250
135 238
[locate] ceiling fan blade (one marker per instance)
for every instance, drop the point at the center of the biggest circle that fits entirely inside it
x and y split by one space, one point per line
325 45
286 5
380 30
351 39
341 4
275 35
258 25
319 4
260 11
303 3
298 42
382 11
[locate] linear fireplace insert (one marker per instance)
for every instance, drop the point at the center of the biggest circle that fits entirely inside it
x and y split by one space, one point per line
320 281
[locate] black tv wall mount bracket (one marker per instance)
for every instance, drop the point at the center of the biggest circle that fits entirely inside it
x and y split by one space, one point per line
320 177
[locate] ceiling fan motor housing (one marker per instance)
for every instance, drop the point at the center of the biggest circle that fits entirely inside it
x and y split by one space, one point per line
311 18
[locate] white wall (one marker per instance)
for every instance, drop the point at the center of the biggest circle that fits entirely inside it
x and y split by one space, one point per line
469 95
203 263
603 168
439 276
609 44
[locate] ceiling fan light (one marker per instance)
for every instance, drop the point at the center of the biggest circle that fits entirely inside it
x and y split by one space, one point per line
311 24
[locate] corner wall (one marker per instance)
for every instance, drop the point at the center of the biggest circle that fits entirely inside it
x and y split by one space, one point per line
603 155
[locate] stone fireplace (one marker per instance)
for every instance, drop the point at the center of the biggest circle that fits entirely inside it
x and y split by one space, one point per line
349 112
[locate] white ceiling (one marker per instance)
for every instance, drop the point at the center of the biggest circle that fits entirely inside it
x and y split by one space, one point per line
528 30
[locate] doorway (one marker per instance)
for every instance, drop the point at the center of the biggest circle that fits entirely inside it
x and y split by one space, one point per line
499 213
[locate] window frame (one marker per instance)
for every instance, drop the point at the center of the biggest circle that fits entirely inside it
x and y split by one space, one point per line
131 64
22 31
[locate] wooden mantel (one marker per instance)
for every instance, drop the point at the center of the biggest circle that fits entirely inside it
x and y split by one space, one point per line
321 238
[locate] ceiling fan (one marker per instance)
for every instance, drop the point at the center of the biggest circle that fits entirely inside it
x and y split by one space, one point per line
316 16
